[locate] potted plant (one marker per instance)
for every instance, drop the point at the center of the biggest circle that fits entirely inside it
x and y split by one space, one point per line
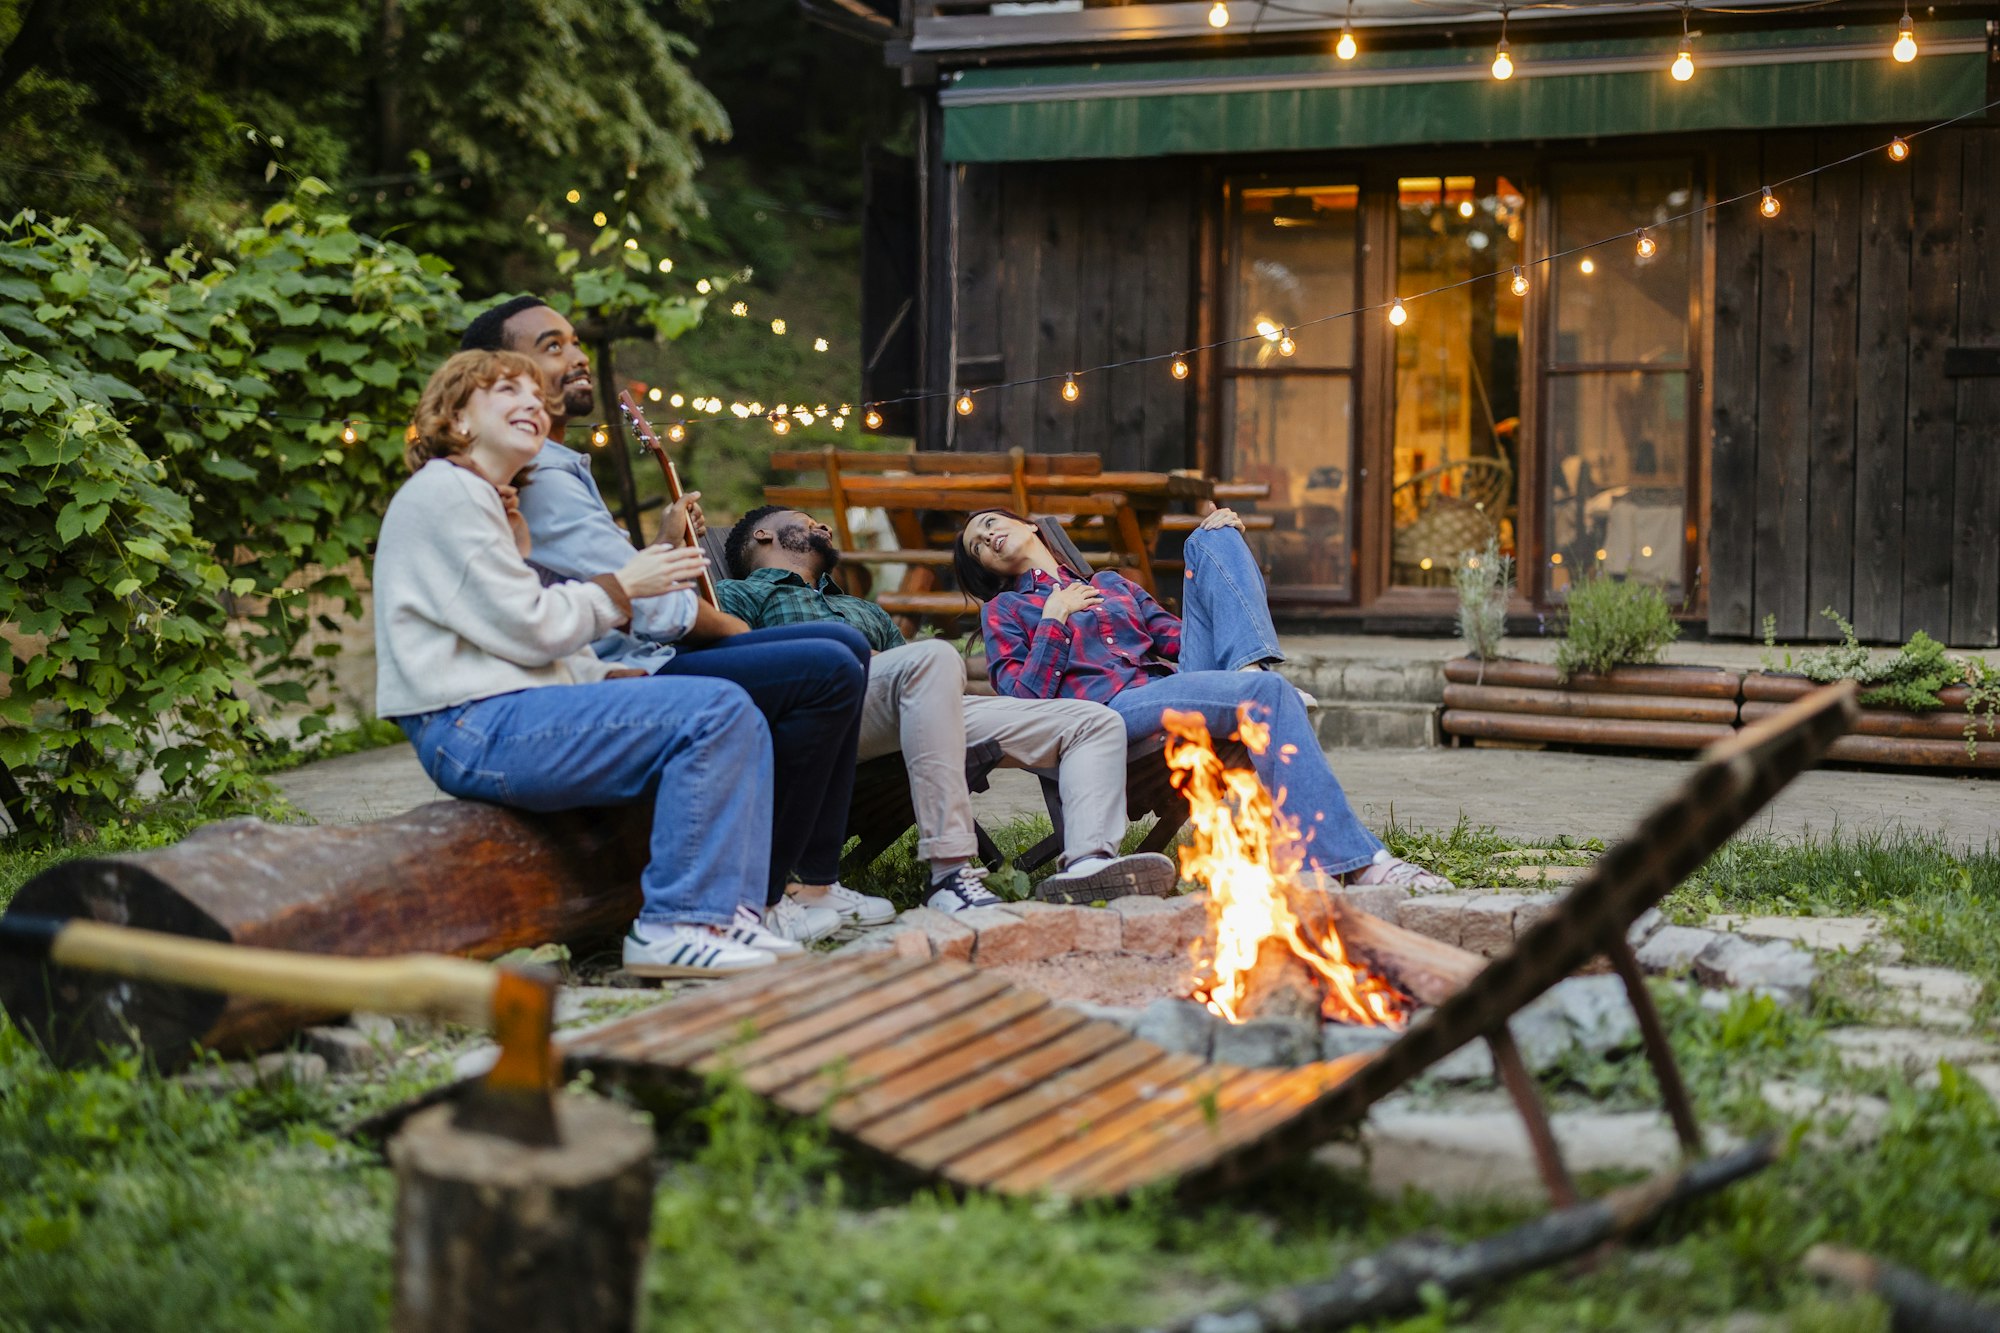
1922 706
1605 686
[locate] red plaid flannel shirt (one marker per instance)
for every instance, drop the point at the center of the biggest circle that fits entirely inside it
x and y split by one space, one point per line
1128 640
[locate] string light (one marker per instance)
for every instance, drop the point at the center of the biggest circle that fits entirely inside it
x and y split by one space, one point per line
1519 286
1770 206
1180 368
1069 390
1218 15
872 420
1683 66
704 287
819 344
1646 246
655 394
348 435
677 432
1345 47
1587 267
599 219
778 327
600 435
781 425
1397 315
965 404
666 266
1898 149
1286 346
740 309
1905 49
1503 63
574 196
631 243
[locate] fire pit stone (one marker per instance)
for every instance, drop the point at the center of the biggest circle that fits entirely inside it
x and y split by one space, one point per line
1440 916
1267 1041
1159 925
1486 926
1177 1025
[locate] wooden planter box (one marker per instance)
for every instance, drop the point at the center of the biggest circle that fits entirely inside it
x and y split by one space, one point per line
1885 735
1649 707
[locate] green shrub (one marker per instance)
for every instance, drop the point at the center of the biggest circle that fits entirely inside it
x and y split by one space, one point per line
1910 678
1614 623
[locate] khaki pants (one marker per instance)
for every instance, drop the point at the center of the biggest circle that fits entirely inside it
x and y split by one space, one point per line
917 704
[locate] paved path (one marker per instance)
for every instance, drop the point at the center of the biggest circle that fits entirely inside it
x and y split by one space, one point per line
1524 794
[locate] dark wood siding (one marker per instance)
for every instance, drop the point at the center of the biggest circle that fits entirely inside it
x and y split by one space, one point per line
1063 265
1849 470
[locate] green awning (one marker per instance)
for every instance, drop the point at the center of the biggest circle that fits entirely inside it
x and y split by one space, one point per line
1561 90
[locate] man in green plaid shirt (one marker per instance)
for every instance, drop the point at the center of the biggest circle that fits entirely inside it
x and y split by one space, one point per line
781 562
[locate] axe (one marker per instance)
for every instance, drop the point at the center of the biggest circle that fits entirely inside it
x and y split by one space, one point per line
515 1099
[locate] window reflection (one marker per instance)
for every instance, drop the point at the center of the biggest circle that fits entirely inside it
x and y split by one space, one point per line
1293 432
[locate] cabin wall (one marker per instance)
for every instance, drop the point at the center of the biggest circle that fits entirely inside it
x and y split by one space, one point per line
1849 468
1061 265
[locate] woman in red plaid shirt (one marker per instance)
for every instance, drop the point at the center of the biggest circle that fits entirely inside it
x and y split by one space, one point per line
1058 632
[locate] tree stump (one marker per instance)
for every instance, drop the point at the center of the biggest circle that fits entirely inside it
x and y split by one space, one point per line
496 1237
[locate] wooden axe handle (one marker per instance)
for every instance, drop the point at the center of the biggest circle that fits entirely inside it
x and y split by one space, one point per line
424 985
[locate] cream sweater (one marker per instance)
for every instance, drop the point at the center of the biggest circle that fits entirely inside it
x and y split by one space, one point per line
459 615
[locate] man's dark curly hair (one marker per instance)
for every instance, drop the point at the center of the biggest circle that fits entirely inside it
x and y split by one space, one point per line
488 332
737 544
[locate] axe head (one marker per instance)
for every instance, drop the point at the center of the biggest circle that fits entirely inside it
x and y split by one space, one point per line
516 1099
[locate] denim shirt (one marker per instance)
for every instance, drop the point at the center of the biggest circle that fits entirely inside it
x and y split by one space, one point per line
575 538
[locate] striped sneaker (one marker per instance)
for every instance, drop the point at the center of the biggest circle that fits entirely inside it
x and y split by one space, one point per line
860 909
688 951
748 930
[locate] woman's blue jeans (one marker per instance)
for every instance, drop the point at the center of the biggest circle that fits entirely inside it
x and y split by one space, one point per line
697 749
1225 626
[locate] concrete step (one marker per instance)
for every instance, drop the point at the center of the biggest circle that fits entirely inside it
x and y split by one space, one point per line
1336 676
1377 726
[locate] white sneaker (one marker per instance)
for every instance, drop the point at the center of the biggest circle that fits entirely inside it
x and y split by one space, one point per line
858 908
1097 877
748 929
1387 869
790 919
963 888
688 951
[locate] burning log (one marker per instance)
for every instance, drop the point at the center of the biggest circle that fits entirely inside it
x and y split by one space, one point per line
1393 1282
1916 1304
453 877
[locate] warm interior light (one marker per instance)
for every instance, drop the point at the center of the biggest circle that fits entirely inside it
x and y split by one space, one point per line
1397 315
1503 63
1069 389
1898 149
1218 15
1345 47
965 404
1905 49
1603 554
1556 559
1770 206
1520 284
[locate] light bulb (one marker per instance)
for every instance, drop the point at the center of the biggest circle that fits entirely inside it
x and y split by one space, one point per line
840 423
1519 285
666 266
676 401
655 394
1218 15
1905 49
1268 331
1770 206
778 327
1465 209
1556 559
348 435
1503 64
1587 267
1345 47
781 425
1898 149
965 404
1646 245
599 219
574 196
631 243
1180 368
1286 346
873 420
1397 315
1683 66
677 432
600 436
703 286
1069 389
819 344
740 309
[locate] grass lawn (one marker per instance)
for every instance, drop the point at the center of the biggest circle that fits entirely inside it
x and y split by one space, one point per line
128 1203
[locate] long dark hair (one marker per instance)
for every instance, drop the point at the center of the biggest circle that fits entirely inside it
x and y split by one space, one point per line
976 580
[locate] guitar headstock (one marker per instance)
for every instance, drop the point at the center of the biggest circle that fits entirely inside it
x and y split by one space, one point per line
641 427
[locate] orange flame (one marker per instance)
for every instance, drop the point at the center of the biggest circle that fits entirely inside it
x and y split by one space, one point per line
1248 855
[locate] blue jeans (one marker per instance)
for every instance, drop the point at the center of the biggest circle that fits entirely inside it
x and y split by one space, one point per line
697 749
1226 626
809 681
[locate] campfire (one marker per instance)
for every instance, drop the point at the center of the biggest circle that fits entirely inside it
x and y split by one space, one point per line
1272 948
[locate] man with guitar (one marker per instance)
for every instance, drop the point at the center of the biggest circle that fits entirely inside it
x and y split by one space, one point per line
807 680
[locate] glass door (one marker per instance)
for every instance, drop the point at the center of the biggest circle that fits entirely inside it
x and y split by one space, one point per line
1288 391
1456 443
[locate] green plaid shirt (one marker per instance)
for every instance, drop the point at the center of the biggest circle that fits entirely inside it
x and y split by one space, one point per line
780 597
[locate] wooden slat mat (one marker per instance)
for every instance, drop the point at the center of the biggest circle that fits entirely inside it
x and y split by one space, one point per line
960 1075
